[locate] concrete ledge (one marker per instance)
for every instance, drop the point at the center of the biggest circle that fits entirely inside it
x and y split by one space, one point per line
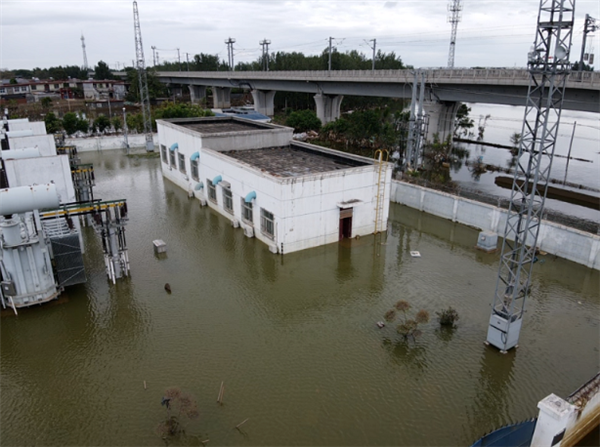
568 243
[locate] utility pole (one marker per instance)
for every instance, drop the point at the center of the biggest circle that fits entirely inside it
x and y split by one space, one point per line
549 68
265 53
157 60
230 43
153 56
143 79
85 61
373 48
330 40
588 27
454 8
179 59
187 59
125 129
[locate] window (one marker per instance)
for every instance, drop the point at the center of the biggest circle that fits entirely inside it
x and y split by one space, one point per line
227 200
267 226
181 162
212 191
171 158
247 212
57 86
34 87
2 90
194 169
163 153
66 85
23 89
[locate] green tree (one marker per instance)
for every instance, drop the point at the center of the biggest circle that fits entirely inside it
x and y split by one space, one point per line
53 124
46 102
102 71
303 120
463 123
117 123
156 89
182 110
69 123
83 125
102 123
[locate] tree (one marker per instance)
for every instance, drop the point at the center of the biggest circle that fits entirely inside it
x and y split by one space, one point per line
183 110
448 317
83 125
179 407
53 124
69 123
102 71
46 102
102 123
303 120
463 122
408 327
117 123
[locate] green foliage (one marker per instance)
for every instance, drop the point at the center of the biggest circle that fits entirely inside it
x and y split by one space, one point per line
53 124
102 71
180 407
46 102
463 123
102 123
117 123
156 89
515 139
182 110
448 317
135 122
69 123
303 121
83 125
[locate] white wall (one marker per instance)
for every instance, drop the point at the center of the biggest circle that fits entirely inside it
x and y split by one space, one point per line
111 142
569 243
45 143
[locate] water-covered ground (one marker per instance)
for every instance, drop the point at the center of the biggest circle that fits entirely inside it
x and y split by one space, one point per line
293 338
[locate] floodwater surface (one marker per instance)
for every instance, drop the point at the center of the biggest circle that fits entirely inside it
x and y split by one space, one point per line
292 337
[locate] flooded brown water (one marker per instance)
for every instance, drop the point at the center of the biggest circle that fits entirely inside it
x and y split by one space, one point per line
293 338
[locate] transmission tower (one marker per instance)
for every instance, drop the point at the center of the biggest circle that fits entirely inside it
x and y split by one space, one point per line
265 53
589 26
230 43
454 9
549 67
85 62
143 79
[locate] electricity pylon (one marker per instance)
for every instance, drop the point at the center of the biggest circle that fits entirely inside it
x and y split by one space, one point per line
143 79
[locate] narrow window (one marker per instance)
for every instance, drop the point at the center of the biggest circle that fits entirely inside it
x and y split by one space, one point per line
194 169
172 158
163 153
181 162
247 212
267 226
212 191
227 200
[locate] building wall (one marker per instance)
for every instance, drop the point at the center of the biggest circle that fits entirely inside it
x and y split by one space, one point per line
45 143
37 127
306 209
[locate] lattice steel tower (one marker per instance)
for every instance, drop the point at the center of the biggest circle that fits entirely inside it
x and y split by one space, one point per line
85 62
454 9
549 67
143 79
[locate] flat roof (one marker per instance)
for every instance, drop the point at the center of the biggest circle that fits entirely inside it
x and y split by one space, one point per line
212 126
293 161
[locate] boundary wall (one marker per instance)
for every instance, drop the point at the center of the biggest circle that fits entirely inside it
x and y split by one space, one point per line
568 243
105 142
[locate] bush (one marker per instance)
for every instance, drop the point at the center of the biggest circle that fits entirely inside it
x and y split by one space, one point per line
53 124
102 123
303 121
83 125
117 123
70 123
448 317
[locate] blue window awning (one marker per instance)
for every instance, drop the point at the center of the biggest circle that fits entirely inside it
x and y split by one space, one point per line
174 146
251 195
217 179
195 156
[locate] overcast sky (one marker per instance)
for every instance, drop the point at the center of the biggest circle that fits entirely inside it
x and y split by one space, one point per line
490 33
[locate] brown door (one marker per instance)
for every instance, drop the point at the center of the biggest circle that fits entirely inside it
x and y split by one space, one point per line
345 223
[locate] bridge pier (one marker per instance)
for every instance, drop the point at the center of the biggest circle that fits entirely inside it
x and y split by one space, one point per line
441 118
328 107
264 101
197 93
221 97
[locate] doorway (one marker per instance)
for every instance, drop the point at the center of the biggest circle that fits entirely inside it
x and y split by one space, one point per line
345 223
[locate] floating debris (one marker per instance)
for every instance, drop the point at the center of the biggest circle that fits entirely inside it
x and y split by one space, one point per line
415 254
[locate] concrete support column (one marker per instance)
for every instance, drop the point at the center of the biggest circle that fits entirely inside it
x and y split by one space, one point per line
197 93
221 97
328 107
441 118
264 101
555 416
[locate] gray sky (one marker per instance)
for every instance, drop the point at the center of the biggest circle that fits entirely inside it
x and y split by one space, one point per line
491 33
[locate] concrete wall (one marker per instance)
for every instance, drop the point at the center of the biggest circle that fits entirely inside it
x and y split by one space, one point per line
569 243
109 142
45 143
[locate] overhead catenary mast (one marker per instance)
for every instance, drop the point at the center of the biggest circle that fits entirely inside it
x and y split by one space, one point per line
454 8
143 79
549 68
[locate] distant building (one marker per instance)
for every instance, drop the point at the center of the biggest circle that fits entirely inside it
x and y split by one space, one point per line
35 90
288 194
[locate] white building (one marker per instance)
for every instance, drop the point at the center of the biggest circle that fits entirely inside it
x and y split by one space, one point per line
290 195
